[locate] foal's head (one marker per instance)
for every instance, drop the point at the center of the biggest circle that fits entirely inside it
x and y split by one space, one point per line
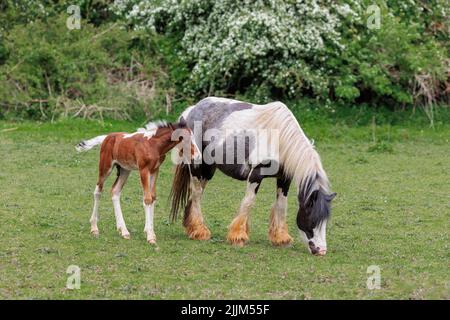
187 147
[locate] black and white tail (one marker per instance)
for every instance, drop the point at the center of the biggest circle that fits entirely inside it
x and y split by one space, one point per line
89 144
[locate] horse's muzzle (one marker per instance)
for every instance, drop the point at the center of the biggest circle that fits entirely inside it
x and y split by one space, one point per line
317 251
321 252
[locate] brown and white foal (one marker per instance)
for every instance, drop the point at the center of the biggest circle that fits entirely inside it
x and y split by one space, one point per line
144 150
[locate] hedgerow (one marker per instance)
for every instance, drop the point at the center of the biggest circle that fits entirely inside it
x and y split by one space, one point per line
48 71
293 49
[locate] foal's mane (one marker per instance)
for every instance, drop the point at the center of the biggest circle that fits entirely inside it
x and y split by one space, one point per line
152 127
158 124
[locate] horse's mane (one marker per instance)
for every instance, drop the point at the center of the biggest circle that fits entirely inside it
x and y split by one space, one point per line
298 157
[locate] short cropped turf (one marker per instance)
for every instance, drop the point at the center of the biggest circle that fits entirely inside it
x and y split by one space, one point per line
391 211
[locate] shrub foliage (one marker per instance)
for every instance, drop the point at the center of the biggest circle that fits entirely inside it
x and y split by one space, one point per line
317 48
140 57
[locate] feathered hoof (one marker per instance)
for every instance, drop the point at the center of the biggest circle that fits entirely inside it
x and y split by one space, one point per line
199 232
280 239
237 239
95 233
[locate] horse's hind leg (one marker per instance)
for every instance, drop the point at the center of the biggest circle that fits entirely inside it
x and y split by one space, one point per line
94 216
193 217
278 229
122 176
104 171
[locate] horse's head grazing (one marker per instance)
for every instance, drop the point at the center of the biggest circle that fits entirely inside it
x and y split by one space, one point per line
313 213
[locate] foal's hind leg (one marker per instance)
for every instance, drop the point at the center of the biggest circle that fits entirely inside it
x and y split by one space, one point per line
122 176
105 166
94 216
278 229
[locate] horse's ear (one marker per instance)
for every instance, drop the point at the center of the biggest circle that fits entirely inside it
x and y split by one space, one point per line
331 196
182 123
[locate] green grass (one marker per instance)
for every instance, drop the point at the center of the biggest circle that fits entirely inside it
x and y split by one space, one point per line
392 210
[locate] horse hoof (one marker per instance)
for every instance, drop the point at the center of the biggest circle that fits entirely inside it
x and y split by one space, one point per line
95 233
152 241
238 241
239 244
200 233
126 236
124 233
282 242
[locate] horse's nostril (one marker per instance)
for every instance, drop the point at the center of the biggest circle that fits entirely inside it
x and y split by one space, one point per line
317 251
312 247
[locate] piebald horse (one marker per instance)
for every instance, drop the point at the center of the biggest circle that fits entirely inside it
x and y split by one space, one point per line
145 151
219 125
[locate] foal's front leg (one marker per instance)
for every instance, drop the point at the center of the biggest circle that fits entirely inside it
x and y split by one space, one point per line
148 181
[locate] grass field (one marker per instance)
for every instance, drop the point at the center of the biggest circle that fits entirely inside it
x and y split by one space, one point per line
392 210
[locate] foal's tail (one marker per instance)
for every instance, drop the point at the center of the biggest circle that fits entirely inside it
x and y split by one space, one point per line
86 145
180 189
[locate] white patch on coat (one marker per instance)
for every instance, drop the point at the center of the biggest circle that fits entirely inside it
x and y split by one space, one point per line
296 153
148 229
249 199
281 202
220 99
94 216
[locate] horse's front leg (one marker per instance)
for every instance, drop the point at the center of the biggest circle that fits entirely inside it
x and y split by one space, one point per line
238 229
150 209
278 229
149 203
